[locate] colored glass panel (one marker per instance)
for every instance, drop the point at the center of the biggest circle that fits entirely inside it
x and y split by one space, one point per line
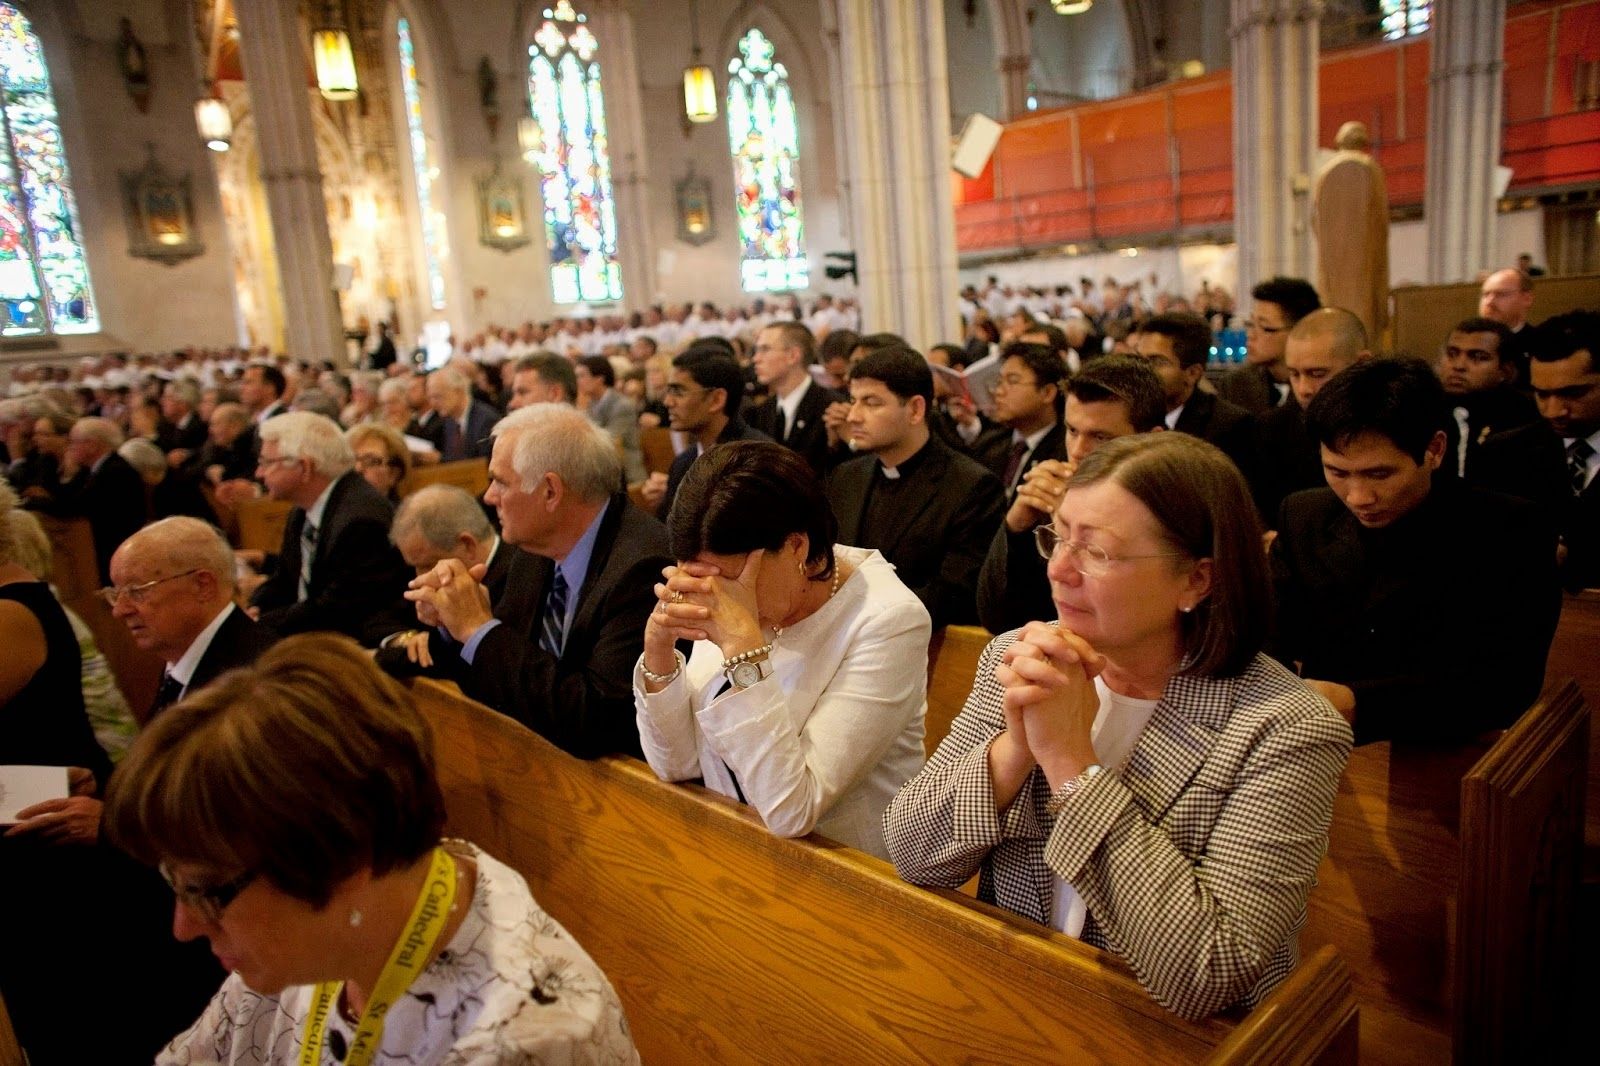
434 246
573 159
764 136
44 276
1405 18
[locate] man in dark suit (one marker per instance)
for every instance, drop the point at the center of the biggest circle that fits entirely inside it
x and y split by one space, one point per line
1320 345
1506 297
1382 602
1029 398
1262 384
702 398
1113 396
567 674
1477 370
1566 385
99 485
928 509
464 421
186 431
1177 346
784 354
382 355
173 585
336 569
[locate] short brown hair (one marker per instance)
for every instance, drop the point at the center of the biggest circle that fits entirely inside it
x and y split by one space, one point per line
393 443
797 335
304 768
1203 508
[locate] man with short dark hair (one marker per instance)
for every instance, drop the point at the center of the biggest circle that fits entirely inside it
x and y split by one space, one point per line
1177 346
794 416
927 508
1477 370
1566 385
610 410
1028 400
1113 396
1263 382
261 391
702 398
1378 601
542 377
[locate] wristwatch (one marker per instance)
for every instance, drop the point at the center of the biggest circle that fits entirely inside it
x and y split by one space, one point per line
1069 788
748 668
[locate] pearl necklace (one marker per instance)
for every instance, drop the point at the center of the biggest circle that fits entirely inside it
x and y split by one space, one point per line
833 590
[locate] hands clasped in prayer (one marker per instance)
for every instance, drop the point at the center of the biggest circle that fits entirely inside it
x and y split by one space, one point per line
1039 493
453 596
1050 705
698 603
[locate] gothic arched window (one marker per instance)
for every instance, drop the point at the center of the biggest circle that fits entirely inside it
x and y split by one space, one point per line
44 277
1405 18
435 247
765 139
572 155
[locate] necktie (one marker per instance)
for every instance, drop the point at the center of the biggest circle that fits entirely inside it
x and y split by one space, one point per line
308 553
1578 465
453 448
552 633
726 685
1463 431
1019 450
167 693
783 425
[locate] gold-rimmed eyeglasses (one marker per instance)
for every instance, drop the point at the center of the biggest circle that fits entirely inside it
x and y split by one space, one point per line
137 593
1089 560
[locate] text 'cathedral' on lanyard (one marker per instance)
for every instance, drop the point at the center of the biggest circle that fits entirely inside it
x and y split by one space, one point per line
415 946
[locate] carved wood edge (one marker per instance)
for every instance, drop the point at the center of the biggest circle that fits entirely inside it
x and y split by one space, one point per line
1311 1018
1517 758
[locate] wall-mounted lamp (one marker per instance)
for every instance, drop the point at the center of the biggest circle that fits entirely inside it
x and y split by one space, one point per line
336 62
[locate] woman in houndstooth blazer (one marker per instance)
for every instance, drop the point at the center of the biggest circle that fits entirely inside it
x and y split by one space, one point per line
1139 775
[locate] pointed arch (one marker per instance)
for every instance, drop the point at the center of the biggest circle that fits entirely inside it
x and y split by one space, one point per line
764 139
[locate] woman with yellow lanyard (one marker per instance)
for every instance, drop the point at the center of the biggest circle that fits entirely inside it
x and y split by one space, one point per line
294 810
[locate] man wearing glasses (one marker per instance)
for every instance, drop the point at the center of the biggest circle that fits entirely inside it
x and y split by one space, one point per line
702 399
1263 382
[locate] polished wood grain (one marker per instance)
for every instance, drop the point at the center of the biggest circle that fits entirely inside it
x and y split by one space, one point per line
1575 653
469 474
729 945
955 664
655 447
1273 1034
1517 967
262 522
10 1050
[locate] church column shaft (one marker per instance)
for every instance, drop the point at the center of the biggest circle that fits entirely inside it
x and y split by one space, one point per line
630 190
1464 117
895 103
274 63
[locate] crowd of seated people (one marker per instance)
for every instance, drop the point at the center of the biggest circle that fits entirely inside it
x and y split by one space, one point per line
1273 557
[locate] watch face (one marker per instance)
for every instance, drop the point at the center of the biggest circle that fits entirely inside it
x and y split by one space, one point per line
746 674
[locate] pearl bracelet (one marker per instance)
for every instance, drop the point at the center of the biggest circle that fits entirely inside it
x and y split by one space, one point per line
747 656
662 679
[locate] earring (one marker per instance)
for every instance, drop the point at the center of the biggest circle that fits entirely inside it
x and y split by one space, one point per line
355 917
1187 610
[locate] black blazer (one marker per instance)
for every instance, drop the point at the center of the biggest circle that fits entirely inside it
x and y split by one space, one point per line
239 641
357 577
476 442
510 572
1229 427
1436 646
582 702
1012 587
808 435
734 430
189 434
112 498
991 448
1287 459
1251 389
938 546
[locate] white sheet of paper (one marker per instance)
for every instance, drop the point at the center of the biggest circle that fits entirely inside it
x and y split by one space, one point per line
23 786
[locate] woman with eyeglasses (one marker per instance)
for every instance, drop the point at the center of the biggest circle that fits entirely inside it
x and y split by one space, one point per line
1138 774
381 457
293 808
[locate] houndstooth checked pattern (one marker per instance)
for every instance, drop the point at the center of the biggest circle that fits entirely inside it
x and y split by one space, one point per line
1195 860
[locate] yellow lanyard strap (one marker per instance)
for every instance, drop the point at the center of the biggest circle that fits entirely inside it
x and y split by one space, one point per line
415 946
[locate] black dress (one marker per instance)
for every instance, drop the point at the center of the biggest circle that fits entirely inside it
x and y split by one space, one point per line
44 724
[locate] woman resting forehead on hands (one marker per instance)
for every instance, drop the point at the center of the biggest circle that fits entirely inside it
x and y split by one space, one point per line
1139 775
805 691
293 808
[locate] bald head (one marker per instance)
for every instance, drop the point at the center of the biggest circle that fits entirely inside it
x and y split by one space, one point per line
179 573
1321 344
1506 297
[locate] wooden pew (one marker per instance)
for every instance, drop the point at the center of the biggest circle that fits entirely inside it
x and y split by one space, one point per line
10 1050
955 664
1575 653
1392 896
469 474
655 446
261 523
729 945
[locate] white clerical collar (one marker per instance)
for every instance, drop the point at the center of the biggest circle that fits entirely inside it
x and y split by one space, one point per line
182 670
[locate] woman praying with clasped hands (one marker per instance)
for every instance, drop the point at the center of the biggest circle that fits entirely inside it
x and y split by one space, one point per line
805 692
1137 774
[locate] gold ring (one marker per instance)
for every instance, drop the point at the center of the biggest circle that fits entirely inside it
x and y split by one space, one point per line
677 597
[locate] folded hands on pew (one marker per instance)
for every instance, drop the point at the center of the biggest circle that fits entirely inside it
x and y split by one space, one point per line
1050 706
453 596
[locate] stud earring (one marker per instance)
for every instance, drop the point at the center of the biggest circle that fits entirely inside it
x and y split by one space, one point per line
355 917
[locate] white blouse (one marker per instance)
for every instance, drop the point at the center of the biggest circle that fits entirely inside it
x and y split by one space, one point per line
828 737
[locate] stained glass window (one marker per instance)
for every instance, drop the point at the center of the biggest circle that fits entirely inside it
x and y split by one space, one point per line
1405 18
765 139
44 278
434 245
572 155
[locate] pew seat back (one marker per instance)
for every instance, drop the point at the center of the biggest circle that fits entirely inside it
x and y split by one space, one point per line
469 474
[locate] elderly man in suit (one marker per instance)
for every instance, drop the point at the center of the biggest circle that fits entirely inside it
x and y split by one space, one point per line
783 357
464 421
607 408
336 569
567 672
100 485
173 587
926 507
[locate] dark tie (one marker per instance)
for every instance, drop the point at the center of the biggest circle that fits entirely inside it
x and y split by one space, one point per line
783 424
1578 464
167 693
454 448
551 635
308 554
726 685
1019 451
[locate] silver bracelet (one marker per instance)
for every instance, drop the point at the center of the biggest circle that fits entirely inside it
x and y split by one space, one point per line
662 679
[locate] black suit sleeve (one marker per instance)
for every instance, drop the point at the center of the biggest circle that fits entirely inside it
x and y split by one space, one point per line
361 597
583 705
949 592
1013 589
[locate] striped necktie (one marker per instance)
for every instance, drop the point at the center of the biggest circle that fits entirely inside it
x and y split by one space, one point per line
1578 465
308 555
552 631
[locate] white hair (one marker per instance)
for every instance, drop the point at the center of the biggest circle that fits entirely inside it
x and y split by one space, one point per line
557 438
180 543
102 431
144 456
440 513
393 387
303 435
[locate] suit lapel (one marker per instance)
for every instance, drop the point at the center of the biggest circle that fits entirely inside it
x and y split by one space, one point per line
853 498
603 541
1175 744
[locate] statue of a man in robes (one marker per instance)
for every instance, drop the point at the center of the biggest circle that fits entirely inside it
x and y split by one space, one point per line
1350 216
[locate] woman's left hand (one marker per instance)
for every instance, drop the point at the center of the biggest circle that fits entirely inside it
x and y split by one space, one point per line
1048 675
734 622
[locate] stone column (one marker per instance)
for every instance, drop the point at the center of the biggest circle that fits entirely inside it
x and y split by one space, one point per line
1013 70
895 105
1464 108
630 190
275 61
1274 136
